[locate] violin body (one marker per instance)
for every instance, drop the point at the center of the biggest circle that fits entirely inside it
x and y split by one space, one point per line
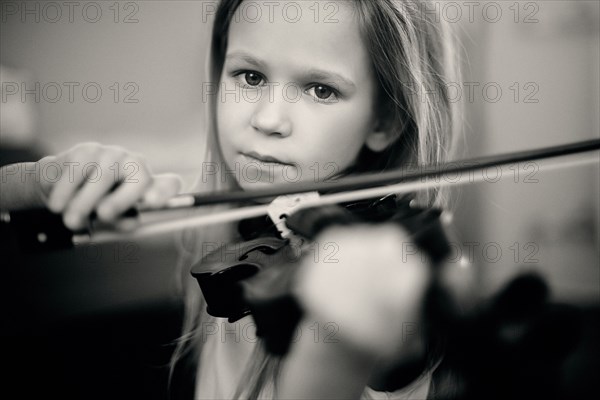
220 279
257 276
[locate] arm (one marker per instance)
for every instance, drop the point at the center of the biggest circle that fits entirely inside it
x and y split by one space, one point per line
369 294
315 369
20 188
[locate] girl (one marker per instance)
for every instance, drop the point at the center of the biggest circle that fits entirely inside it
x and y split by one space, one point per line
371 98
290 94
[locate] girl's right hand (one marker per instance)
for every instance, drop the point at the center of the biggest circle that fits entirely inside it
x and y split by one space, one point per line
107 180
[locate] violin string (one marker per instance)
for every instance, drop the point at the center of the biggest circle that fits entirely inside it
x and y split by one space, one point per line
476 175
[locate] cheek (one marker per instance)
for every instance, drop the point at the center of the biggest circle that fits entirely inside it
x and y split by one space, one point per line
231 119
340 130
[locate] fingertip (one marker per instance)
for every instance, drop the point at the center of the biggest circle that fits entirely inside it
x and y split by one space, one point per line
72 221
106 212
55 203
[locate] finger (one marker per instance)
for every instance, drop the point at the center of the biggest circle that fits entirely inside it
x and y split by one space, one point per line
98 184
128 193
164 187
72 176
48 174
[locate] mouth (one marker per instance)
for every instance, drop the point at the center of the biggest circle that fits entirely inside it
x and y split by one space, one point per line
264 159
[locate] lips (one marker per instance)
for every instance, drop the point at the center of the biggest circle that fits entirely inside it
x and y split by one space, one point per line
265 159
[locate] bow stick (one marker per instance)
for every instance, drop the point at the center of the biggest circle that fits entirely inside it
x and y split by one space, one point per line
349 189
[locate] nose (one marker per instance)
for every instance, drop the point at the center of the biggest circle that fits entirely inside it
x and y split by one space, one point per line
271 117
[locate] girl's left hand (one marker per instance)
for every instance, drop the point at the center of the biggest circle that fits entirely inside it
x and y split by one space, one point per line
372 288
361 301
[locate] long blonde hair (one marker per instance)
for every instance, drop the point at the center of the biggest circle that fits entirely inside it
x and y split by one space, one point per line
415 60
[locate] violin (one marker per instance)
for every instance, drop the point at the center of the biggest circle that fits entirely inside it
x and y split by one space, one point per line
258 279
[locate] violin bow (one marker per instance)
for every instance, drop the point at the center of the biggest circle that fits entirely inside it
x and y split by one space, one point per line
347 189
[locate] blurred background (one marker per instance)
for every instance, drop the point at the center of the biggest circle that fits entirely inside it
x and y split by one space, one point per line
130 73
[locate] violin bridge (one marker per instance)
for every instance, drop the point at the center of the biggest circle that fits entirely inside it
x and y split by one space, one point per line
284 206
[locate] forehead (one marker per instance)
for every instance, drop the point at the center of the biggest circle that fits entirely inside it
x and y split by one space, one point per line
309 33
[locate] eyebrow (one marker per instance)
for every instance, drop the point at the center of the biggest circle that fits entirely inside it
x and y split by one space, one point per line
312 74
247 57
328 77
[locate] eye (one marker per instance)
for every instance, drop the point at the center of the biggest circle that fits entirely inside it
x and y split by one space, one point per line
251 78
324 93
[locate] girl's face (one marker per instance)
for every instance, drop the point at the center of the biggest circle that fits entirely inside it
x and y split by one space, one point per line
296 99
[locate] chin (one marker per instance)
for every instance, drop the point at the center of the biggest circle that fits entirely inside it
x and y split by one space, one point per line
252 187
